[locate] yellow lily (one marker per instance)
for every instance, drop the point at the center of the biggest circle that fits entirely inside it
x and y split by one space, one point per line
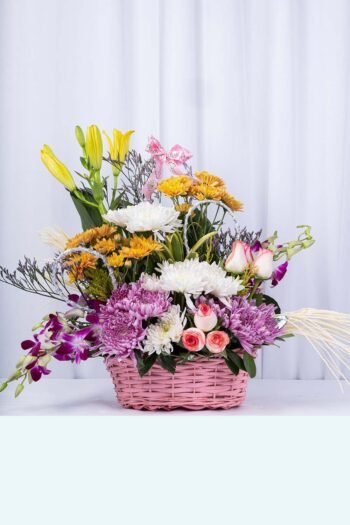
118 147
94 147
57 168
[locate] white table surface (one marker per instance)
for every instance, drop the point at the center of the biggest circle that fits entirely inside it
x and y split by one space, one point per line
95 397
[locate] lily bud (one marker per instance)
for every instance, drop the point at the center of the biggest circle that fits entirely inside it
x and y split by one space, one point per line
80 136
263 264
94 147
57 168
239 258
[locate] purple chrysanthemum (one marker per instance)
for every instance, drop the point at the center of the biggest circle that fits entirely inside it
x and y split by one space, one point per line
121 333
252 325
121 318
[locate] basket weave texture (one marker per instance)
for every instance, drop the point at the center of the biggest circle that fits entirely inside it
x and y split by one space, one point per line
196 385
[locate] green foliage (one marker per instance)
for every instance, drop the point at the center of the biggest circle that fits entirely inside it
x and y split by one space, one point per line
168 363
144 362
99 284
235 359
90 216
234 368
249 364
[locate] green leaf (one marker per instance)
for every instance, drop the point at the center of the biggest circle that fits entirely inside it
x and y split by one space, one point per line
249 364
3 386
201 241
168 363
90 216
19 389
235 358
144 363
270 300
234 369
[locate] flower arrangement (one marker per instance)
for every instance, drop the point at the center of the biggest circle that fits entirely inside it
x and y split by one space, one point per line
155 278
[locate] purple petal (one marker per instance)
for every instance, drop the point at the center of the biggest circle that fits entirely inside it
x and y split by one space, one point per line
27 344
256 247
74 298
279 273
36 373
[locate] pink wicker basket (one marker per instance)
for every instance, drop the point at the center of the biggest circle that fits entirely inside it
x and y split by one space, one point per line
196 385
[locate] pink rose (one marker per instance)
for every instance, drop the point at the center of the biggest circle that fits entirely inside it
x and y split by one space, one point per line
205 318
239 257
193 339
217 341
263 263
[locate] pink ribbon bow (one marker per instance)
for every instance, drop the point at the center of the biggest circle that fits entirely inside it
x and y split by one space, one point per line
175 158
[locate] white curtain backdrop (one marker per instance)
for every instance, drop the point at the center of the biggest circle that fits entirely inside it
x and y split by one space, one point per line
257 89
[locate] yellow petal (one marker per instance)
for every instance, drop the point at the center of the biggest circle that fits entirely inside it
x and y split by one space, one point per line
57 168
125 142
94 146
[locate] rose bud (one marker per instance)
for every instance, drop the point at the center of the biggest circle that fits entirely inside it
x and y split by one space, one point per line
263 264
217 341
205 318
239 257
193 339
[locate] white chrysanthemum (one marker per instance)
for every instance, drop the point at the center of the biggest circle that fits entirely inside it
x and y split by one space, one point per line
167 330
192 277
55 237
146 216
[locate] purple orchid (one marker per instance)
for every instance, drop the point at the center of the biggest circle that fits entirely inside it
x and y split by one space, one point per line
279 273
75 346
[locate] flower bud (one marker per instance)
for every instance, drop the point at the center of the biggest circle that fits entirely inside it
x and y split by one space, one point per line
93 146
263 264
80 136
205 318
239 258
57 168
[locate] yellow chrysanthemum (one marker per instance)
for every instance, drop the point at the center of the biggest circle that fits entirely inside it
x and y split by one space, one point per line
116 260
90 236
231 201
78 264
140 247
203 191
208 178
183 207
175 186
105 245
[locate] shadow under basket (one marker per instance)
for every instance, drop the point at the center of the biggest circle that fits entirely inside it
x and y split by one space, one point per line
196 385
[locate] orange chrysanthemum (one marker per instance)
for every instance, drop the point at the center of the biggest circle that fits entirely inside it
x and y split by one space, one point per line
140 247
92 235
116 260
203 191
183 207
105 246
231 202
208 178
78 264
175 186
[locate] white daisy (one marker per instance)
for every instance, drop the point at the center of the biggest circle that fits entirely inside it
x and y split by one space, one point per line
192 277
167 330
146 216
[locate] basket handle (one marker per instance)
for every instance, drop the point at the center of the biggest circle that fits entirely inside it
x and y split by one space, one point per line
58 263
197 205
